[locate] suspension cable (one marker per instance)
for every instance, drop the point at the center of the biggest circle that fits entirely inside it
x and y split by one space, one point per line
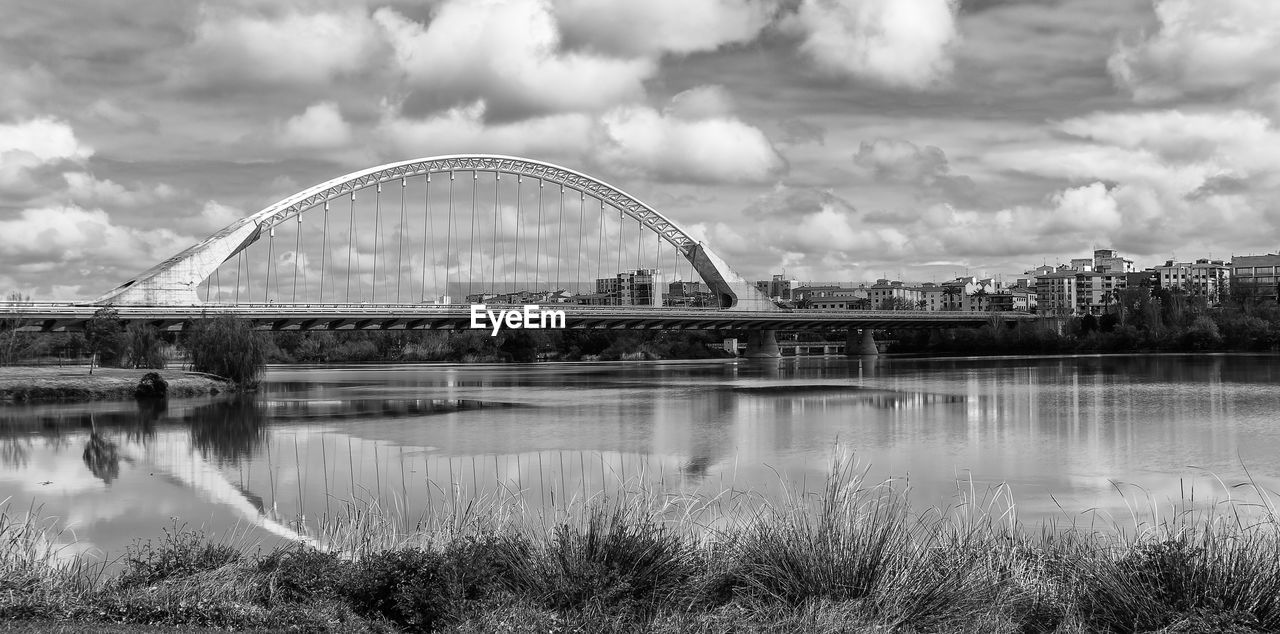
400 253
351 242
599 246
297 251
559 236
271 249
519 204
537 246
448 244
427 242
493 266
471 258
324 250
377 233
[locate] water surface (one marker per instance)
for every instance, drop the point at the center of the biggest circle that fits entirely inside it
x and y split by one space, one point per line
1065 434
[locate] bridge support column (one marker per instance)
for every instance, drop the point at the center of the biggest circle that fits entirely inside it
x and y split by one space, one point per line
762 344
860 346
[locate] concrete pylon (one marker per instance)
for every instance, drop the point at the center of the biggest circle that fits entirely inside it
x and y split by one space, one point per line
762 344
860 346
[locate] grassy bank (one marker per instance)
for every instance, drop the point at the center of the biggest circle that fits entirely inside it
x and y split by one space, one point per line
849 558
30 383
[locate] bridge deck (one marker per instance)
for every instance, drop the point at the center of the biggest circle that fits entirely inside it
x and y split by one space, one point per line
53 317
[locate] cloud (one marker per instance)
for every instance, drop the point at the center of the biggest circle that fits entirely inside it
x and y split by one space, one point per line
46 238
903 162
798 131
30 149
628 141
897 43
640 141
814 233
1202 48
45 138
1237 140
215 215
701 102
320 126
292 47
508 53
84 188
463 130
654 27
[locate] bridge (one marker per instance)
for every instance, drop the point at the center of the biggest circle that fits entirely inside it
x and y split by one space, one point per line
414 244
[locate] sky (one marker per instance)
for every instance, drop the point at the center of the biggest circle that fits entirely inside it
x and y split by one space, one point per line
834 140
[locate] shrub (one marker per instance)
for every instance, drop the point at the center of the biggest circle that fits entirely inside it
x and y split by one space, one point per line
180 553
621 562
152 385
302 574
402 586
1190 578
227 347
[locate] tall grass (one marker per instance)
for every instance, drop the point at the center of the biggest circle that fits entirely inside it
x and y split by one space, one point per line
852 556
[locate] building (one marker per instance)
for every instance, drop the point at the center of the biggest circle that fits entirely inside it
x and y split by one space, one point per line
839 303
967 294
777 289
1108 261
932 296
1056 294
1072 293
893 294
641 287
1254 276
806 296
1011 300
1205 278
689 295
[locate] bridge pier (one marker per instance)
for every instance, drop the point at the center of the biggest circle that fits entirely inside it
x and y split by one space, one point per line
860 346
762 344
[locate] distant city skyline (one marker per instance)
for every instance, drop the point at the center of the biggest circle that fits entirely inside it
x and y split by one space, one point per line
834 140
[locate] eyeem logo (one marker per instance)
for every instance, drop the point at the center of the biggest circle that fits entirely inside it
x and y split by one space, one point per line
531 317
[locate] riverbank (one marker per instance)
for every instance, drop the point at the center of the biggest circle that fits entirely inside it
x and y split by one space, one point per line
852 557
20 384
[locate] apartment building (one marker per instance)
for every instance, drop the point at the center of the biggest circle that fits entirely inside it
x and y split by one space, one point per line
1207 278
779 288
641 287
1256 275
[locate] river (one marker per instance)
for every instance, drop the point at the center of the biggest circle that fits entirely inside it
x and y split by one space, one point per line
1067 439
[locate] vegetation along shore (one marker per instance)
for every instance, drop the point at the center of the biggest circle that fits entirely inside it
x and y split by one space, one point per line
851 557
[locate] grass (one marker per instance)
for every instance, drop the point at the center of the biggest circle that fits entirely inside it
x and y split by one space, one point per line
851 557
34 383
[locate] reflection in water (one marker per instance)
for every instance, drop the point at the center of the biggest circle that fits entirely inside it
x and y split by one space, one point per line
410 437
228 431
102 457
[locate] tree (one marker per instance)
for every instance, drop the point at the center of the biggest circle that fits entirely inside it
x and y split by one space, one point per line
17 344
104 334
981 294
227 347
145 348
950 293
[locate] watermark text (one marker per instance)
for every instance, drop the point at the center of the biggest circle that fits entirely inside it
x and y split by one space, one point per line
529 316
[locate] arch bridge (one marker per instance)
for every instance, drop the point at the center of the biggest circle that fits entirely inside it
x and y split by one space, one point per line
414 244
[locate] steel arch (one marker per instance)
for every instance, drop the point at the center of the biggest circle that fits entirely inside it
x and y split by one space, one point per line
175 280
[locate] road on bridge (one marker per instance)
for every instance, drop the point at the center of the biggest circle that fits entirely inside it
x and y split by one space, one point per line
54 317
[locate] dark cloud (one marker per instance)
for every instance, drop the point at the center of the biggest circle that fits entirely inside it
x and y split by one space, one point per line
796 131
904 162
